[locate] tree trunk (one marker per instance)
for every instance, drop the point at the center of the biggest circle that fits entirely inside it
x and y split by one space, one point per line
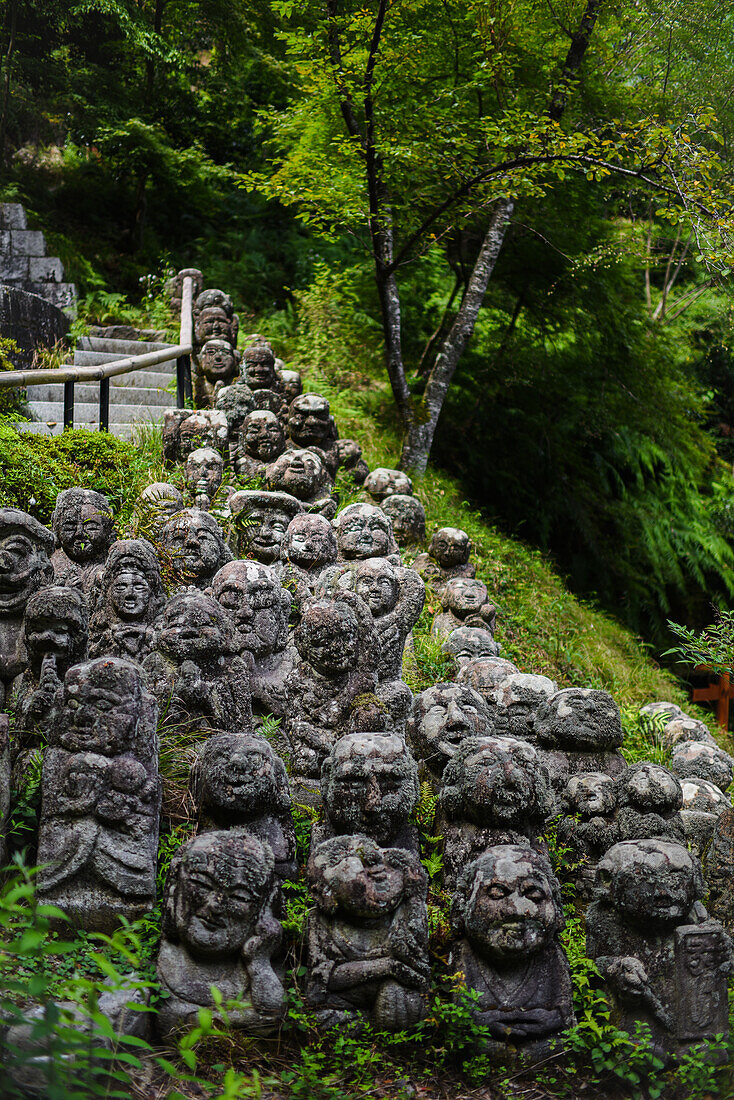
419 435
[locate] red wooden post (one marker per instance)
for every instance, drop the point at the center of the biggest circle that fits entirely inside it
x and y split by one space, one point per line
718 691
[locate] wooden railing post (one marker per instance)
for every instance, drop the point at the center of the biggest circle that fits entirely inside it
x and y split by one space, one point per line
183 382
185 336
104 404
68 405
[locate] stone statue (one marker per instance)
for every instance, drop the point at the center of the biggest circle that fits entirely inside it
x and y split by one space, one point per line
194 543
649 798
516 702
83 525
196 672
719 871
236 401
185 431
368 935
173 287
302 474
129 600
485 674
653 716
369 785
349 455
495 791
157 504
665 961
25 546
364 531
239 783
507 914
261 441
699 760
252 594
212 323
588 828
219 930
258 368
681 729
443 717
703 803
101 798
408 518
448 556
264 520
204 473
465 602
580 730
55 630
470 643
383 483
292 385
213 298
217 361
310 424
309 547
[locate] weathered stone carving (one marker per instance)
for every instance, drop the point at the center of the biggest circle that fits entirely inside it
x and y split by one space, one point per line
214 323
664 960
173 287
719 870
408 518
580 730
364 531
383 483
129 599
698 760
465 602
653 716
252 594
649 798
204 473
508 913
443 717
238 782
470 643
25 546
156 505
516 703
448 556
261 441
495 791
291 383
267 516
196 672
349 455
258 368
302 474
309 547
369 785
310 424
217 362
213 298
703 802
368 937
236 402
194 543
219 930
589 827
83 525
185 431
682 728
55 629
98 836
485 674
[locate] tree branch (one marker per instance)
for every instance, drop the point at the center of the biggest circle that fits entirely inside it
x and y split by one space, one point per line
346 103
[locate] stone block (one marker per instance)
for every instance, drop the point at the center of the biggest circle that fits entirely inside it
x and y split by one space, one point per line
62 295
12 216
46 269
13 268
27 242
4 242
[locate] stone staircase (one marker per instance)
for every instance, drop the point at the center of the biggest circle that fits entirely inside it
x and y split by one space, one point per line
138 397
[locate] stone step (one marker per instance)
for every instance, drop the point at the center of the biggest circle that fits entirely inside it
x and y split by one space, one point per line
120 431
96 358
87 412
120 348
88 393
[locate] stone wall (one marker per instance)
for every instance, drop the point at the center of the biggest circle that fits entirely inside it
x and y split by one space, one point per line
32 321
24 264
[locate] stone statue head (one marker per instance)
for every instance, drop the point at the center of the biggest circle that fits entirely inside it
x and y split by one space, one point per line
267 518
213 298
159 502
328 635
195 627
235 401
469 643
204 472
83 524
408 518
580 719
292 385
351 460
106 710
218 895
590 794
258 367
497 781
56 623
364 531
25 546
698 759
354 876
651 881
300 473
464 596
262 436
485 674
383 482
508 903
309 420
218 361
214 324
252 594
450 547
195 542
131 587
376 581
443 716
369 783
203 428
649 788
310 542
238 777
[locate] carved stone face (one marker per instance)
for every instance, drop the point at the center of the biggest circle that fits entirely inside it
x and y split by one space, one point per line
485 674
223 882
653 881
364 531
213 324
101 708
24 563
82 523
299 473
259 368
328 637
580 719
310 542
242 777
309 422
361 878
697 759
650 788
465 596
469 643
262 436
450 546
196 628
252 595
55 623
370 785
204 472
217 361
407 516
161 501
509 905
292 385
443 716
195 543
130 593
497 781
204 428
377 583
590 794
266 536
382 483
